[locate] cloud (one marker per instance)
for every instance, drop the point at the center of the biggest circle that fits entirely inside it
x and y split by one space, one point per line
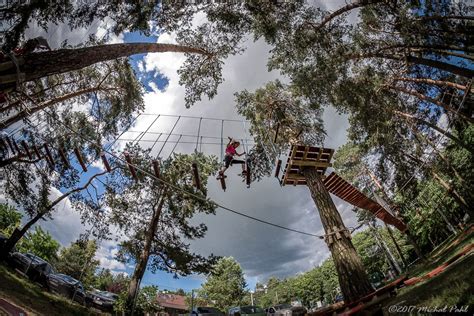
262 251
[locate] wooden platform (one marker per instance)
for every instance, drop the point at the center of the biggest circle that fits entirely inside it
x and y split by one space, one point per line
305 157
344 190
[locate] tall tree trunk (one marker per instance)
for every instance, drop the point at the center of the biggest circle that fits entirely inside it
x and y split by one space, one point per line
410 117
406 232
429 81
41 64
397 246
388 254
353 279
143 260
454 194
344 9
414 243
460 71
46 104
426 98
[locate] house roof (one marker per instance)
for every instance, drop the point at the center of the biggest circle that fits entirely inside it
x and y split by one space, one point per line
172 301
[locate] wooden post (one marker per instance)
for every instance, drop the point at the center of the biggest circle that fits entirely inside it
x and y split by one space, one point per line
80 159
63 156
197 180
248 178
25 146
16 147
156 168
9 142
278 167
105 162
3 143
49 157
222 179
129 163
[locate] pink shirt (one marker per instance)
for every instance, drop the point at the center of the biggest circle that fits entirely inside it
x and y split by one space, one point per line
230 150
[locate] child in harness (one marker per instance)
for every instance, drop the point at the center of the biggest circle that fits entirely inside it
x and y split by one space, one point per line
229 160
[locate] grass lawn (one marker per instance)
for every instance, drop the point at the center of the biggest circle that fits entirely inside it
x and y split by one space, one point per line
451 288
33 299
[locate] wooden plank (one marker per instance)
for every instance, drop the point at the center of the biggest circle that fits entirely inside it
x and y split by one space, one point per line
49 157
278 167
25 146
305 163
222 179
156 168
105 162
196 178
130 166
80 159
63 156
37 151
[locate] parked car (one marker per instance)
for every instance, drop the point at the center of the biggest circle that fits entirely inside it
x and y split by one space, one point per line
246 310
67 286
34 267
101 300
206 311
286 310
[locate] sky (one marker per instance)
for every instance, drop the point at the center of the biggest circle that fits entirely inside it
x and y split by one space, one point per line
261 250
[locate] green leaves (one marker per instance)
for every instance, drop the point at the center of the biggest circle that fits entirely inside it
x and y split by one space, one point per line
225 285
40 243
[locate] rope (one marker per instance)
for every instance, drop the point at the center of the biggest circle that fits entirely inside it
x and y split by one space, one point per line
179 117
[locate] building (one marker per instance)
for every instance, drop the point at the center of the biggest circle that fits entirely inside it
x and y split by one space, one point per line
173 304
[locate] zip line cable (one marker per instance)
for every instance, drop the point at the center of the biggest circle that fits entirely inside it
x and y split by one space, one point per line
193 195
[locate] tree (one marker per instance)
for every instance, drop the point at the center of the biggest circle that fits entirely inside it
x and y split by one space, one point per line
226 284
103 279
40 243
304 128
78 261
150 214
9 218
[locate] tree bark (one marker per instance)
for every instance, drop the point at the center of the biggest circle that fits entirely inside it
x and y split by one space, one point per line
388 254
143 260
423 97
42 64
353 279
454 194
436 128
429 81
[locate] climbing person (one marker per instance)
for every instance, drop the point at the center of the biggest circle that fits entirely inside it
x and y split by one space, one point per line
229 160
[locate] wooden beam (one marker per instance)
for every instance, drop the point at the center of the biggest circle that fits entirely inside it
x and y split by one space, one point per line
37 151
130 166
49 157
197 180
305 163
278 167
80 159
248 178
105 162
25 146
156 168
63 156
222 179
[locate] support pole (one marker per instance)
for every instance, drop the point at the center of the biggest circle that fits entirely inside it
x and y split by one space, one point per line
9 142
37 151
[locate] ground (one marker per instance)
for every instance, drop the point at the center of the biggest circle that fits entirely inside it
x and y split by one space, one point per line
452 288
33 299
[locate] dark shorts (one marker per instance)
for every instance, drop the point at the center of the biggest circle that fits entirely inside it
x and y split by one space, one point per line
229 160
